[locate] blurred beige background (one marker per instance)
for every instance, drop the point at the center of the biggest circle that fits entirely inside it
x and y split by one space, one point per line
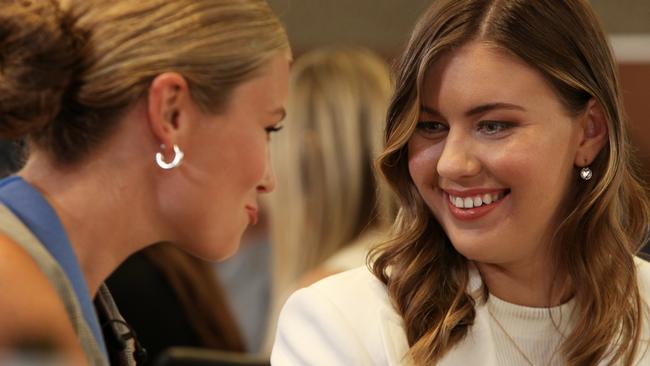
384 25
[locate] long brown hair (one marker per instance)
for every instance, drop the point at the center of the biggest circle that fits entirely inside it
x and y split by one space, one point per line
608 220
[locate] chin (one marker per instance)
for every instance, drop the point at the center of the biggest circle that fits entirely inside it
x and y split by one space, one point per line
216 250
232 250
473 251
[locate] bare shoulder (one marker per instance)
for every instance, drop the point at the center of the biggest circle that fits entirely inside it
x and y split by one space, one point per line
32 312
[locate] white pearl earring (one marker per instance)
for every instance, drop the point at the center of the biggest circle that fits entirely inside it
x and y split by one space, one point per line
586 173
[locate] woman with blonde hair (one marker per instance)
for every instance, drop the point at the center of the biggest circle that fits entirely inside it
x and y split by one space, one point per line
520 211
327 210
147 121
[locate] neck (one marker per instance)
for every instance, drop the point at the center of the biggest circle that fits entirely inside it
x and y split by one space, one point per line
534 283
103 205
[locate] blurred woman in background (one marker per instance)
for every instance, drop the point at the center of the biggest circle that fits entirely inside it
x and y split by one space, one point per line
328 209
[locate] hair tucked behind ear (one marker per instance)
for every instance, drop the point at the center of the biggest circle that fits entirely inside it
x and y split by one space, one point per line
38 55
69 73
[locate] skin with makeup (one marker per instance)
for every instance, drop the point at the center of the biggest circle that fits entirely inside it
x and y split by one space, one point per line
493 157
520 207
138 134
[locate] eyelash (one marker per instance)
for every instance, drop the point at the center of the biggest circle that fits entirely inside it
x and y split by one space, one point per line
273 129
501 126
427 127
431 127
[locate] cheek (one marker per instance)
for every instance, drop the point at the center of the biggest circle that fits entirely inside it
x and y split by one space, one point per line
510 167
259 160
422 164
536 173
244 162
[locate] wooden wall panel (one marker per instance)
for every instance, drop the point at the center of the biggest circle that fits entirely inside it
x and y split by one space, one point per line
635 84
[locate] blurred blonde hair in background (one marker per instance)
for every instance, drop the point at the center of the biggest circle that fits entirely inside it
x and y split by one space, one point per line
327 196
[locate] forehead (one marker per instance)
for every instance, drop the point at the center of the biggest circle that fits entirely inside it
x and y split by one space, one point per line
478 72
268 89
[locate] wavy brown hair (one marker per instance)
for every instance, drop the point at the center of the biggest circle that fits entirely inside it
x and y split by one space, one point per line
608 217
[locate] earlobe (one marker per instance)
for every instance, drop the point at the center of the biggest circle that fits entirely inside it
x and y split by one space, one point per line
594 134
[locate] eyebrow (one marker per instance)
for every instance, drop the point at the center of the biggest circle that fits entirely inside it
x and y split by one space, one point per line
478 109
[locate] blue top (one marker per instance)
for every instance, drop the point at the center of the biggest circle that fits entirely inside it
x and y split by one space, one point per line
35 212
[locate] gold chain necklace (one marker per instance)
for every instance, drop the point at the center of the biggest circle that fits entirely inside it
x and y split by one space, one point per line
521 352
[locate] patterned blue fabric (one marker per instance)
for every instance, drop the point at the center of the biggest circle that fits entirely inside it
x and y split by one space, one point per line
35 212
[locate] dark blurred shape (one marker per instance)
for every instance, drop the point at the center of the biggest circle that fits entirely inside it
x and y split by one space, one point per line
181 356
173 299
11 153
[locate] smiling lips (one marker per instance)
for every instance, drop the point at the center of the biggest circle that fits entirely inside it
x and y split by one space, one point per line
471 205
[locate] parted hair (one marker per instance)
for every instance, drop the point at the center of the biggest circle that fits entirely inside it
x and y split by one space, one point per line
608 217
70 68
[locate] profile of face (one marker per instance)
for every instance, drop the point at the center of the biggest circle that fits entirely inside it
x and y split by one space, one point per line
212 197
494 154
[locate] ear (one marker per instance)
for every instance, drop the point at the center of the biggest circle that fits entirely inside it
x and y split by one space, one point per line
593 134
167 99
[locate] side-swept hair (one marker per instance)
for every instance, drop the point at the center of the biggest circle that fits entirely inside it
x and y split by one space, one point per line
608 217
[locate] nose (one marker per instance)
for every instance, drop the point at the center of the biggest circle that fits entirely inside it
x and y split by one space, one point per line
267 184
458 159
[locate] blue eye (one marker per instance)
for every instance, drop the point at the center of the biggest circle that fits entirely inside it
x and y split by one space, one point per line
494 127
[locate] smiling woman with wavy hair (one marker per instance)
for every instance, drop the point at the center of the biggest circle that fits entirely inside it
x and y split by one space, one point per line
520 210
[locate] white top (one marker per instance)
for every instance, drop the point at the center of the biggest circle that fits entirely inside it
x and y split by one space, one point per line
347 319
537 332
354 255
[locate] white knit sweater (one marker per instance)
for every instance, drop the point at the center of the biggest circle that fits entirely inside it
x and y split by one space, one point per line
349 319
537 332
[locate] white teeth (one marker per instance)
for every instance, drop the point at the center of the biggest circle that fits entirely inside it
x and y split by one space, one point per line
458 202
487 198
475 201
469 202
